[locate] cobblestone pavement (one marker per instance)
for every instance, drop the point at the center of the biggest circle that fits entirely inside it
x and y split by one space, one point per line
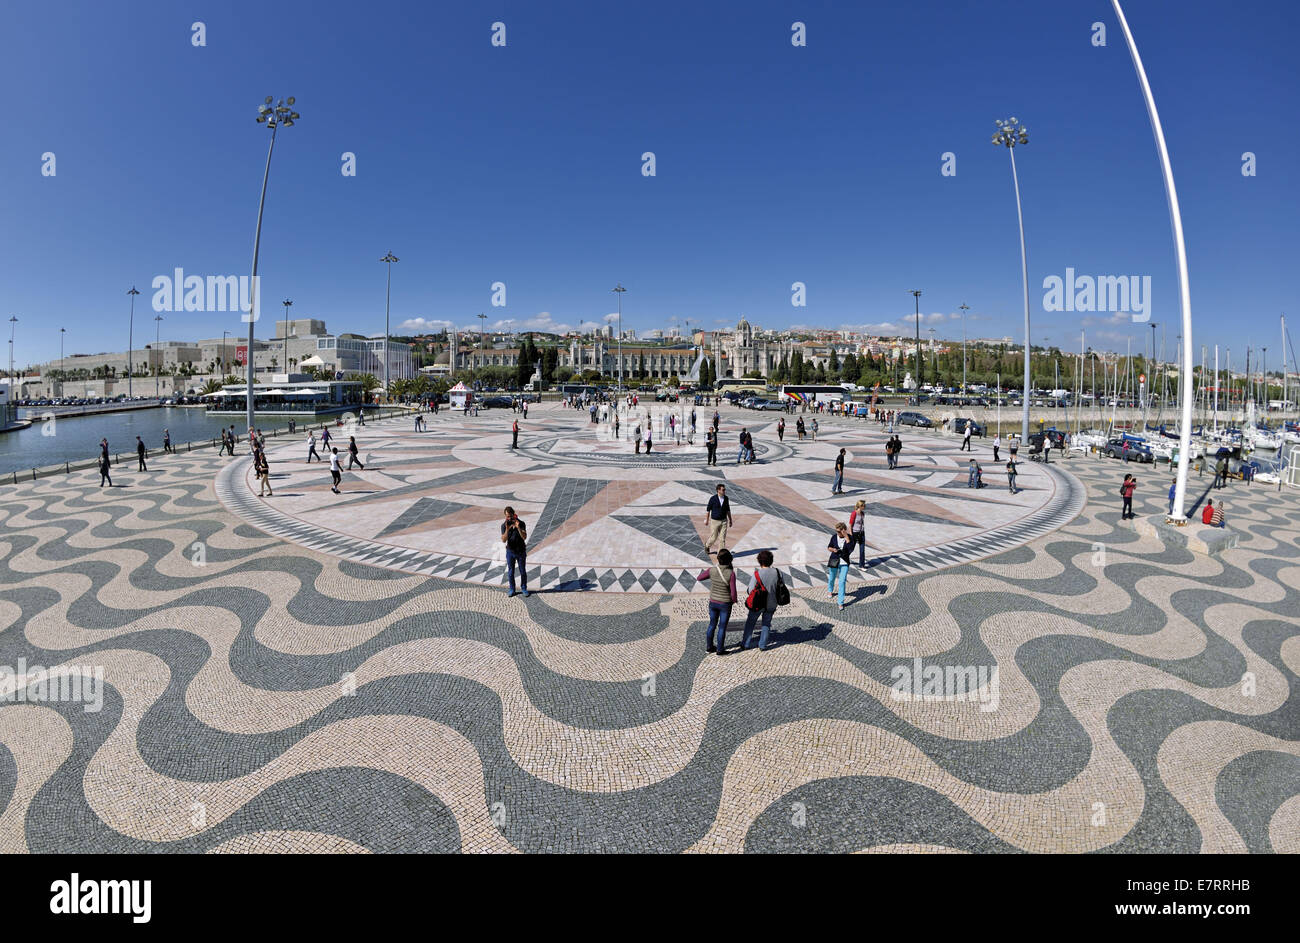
259 694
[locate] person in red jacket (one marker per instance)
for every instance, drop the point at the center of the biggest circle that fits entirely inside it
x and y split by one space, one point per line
1211 515
1126 492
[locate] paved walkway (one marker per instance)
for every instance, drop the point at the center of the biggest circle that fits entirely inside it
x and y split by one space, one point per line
261 695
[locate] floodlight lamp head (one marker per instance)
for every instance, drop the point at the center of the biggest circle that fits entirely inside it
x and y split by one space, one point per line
291 99
269 99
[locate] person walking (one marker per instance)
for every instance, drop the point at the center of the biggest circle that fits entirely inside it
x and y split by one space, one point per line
711 446
1126 492
814 429
1221 473
889 452
224 443
858 531
167 441
311 447
325 436
1011 476
514 429
104 465
722 596
352 453
762 600
140 453
336 473
1173 487
997 444
837 486
780 429
800 429
649 444
837 567
717 517
636 438
514 534
744 449
1013 441
971 473
263 469
965 441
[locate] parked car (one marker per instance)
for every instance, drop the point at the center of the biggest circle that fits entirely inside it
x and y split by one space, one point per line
497 402
1136 451
959 426
910 418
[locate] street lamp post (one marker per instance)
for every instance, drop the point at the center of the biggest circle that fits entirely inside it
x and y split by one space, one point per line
1184 284
964 309
1263 369
917 295
619 289
130 342
273 117
63 367
287 305
482 340
13 327
1009 133
388 299
157 333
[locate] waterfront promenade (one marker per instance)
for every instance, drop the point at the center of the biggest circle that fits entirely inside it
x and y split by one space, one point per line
270 683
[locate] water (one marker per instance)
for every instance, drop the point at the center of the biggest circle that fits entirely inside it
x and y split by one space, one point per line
76 438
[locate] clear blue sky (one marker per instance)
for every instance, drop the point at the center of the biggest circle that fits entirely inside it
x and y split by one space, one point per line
522 164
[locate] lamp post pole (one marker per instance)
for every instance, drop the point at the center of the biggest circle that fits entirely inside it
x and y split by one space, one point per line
1009 133
157 333
287 305
917 295
482 341
964 308
63 368
130 342
273 118
618 290
13 327
388 300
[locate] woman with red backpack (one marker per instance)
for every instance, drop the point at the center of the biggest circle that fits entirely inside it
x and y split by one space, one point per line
766 592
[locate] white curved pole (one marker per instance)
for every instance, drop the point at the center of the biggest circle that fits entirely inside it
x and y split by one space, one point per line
1184 286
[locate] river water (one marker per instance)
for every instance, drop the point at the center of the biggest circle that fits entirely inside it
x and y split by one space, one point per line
76 438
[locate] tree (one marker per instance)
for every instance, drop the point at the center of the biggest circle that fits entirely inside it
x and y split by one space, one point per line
796 368
563 374
641 369
850 371
368 381
833 367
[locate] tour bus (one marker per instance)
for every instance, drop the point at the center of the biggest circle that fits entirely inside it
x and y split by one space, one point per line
813 393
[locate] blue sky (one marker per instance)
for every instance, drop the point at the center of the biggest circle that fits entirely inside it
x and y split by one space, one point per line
522 164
